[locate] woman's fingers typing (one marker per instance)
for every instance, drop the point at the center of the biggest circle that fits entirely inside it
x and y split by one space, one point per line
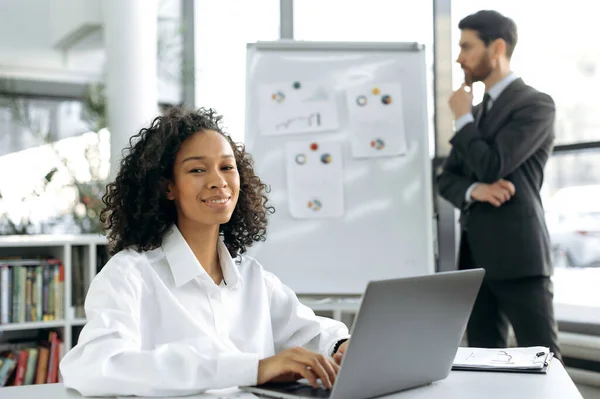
307 364
321 366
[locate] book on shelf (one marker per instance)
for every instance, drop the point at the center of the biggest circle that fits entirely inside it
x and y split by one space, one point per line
31 362
31 290
79 274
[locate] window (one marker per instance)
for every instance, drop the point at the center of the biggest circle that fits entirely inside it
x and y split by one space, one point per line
381 20
169 51
61 167
570 195
223 28
27 123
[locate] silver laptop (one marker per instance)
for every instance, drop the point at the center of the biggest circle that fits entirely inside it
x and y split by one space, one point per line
405 335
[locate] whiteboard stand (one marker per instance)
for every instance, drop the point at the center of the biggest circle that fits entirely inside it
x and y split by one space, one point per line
386 230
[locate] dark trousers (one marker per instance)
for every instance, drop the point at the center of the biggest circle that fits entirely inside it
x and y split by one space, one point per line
525 303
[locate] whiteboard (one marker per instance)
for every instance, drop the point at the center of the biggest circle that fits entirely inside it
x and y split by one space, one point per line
386 230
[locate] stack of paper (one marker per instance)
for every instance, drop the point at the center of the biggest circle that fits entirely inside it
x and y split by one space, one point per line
531 359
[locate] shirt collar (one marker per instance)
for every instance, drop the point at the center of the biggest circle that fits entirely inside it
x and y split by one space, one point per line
185 266
499 87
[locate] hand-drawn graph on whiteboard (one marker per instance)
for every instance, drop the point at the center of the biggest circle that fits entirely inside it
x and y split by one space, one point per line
315 179
376 122
296 107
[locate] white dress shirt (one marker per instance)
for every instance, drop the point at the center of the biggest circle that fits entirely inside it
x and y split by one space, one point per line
494 92
158 325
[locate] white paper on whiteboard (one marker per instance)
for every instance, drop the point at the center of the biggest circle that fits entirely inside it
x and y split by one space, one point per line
376 122
296 107
314 178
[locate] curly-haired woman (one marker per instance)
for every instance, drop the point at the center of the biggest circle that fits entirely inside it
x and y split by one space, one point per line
179 309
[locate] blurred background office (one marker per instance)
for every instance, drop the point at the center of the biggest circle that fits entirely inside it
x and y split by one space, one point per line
71 72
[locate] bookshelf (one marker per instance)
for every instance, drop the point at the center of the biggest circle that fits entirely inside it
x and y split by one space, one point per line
81 257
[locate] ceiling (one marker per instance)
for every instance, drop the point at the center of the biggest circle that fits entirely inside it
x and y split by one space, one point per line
61 40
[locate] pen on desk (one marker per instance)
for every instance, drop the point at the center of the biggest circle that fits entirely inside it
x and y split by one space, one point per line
537 359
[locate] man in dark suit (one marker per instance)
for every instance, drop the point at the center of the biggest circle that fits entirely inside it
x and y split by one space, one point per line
493 175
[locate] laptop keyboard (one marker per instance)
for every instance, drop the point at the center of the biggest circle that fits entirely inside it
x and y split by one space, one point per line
299 389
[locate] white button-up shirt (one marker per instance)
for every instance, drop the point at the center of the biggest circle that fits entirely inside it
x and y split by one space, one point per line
158 325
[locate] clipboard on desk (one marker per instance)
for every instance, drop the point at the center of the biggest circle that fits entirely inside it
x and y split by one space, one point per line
534 359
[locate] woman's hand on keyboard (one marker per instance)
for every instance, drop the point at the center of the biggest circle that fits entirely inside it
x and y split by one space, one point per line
296 363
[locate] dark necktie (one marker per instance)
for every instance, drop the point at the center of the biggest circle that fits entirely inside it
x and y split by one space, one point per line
484 108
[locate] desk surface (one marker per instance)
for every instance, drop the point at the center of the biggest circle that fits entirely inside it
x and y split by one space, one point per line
460 384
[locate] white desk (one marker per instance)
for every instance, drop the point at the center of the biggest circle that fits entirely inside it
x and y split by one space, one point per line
460 384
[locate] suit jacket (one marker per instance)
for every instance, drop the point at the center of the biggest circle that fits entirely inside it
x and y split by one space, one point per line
513 142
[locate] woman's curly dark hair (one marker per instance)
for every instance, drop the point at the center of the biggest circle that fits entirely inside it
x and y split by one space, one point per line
138 213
